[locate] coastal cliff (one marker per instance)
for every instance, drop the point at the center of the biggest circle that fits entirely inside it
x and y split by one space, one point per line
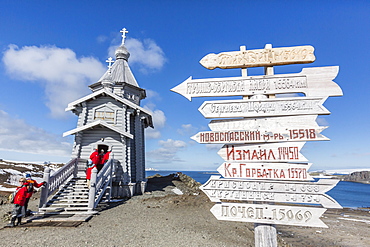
359 177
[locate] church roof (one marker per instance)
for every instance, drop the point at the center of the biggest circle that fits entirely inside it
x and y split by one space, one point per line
102 92
98 123
120 71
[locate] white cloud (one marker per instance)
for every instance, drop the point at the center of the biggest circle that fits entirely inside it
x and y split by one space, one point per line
152 95
167 152
101 38
187 129
64 76
322 121
159 118
146 54
159 121
16 135
214 147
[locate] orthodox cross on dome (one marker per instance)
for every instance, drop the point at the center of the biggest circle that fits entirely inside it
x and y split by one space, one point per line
123 31
110 61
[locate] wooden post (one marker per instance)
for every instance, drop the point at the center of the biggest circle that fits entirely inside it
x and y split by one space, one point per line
92 190
112 166
45 188
75 170
244 70
265 234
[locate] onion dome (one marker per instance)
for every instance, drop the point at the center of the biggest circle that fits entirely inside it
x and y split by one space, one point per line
121 51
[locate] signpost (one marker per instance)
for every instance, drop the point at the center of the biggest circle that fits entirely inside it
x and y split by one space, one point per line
263 137
266 123
311 81
259 58
260 135
266 152
264 107
270 191
319 187
283 171
269 214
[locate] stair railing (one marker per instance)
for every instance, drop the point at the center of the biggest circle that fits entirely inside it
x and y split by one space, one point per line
53 182
99 183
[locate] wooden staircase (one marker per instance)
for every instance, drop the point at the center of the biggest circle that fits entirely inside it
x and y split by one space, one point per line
66 200
72 198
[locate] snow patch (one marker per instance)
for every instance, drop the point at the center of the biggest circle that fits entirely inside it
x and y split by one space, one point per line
2 188
177 191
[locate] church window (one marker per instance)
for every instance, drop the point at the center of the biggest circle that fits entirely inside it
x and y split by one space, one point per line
105 113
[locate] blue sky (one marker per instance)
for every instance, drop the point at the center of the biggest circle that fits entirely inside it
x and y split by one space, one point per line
52 50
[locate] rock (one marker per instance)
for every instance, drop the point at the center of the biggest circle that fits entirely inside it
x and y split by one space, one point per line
187 184
361 177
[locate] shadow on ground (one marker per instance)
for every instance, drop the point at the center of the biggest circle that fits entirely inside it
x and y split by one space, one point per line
158 182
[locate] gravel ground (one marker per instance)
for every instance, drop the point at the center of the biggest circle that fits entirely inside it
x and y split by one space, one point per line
162 218
157 218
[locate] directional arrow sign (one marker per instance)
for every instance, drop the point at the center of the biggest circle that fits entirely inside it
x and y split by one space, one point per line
259 58
263 107
266 123
316 188
275 152
311 82
283 171
270 191
259 136
269 214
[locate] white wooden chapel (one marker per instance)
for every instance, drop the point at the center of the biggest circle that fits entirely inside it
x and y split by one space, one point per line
110 118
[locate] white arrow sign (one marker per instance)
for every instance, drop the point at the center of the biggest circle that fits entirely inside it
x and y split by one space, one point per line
259 136
271 152
324 200
311 82
283 171
264 107
269 214
316 188
259 57
266 123
270 191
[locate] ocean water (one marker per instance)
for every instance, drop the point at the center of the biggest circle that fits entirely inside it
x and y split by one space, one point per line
347 194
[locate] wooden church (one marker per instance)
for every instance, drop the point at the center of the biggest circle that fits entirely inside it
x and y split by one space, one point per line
111 119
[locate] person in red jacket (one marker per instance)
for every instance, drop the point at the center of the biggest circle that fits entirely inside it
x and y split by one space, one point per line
88 172
105 157
32 185
99 159
94 157
19 201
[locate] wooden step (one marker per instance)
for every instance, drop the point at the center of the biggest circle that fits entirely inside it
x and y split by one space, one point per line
73 192
69 200
66 196
77 209
69 209
50 209
67 204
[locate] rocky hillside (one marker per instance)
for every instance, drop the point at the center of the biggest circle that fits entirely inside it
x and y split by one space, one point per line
183 182
10 172
360 177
